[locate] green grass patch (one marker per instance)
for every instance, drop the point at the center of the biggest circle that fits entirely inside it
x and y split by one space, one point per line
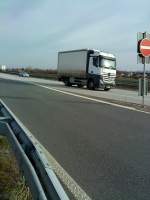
12 184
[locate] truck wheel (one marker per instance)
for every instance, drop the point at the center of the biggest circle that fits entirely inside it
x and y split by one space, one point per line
106 89
67 83
79 85
91 85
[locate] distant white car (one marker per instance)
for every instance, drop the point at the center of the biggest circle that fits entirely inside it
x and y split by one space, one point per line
24 74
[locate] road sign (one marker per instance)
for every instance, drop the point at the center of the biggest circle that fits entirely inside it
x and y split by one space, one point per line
145 47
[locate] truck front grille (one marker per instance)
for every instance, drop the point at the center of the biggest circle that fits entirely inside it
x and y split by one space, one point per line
109 77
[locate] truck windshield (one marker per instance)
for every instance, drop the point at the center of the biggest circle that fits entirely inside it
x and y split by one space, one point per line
107 63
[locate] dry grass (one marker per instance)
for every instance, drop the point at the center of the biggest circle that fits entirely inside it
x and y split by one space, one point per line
12 184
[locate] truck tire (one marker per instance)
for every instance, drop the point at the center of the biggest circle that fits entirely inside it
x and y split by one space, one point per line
67 83
79 85
106 89
90 85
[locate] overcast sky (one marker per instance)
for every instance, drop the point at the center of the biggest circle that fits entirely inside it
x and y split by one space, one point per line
33 31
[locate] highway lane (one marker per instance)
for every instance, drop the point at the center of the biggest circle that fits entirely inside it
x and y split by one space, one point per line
115 94
123 95
104 148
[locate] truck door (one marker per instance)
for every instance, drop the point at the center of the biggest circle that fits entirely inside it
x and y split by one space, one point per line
94 65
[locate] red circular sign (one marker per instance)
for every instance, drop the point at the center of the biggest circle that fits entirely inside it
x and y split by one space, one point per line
145 47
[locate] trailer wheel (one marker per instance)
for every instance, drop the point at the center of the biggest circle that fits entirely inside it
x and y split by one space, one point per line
90 85
67 83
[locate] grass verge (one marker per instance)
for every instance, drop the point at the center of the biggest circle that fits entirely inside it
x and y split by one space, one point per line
12 184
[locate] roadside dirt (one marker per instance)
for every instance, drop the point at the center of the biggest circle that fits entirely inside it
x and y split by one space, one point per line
12 184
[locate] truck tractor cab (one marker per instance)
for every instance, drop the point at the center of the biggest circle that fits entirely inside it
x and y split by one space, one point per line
102 70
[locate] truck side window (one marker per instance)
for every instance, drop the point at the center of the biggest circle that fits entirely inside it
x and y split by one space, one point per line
95 61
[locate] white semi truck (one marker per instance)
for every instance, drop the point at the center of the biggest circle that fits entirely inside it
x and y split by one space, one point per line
87 67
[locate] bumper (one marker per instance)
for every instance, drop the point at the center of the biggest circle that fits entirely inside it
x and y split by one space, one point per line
107 84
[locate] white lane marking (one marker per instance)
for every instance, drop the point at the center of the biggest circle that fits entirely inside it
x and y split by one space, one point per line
109 95
44 81
145 47
77 192
91 99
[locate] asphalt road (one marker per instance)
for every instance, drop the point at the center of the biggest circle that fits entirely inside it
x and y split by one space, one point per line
115 94
104 148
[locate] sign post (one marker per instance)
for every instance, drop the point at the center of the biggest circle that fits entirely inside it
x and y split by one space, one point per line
143 49
143 83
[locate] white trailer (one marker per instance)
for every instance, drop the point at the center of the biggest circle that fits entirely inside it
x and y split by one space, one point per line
88 67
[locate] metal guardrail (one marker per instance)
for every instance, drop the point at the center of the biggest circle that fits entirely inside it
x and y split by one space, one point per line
38 173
